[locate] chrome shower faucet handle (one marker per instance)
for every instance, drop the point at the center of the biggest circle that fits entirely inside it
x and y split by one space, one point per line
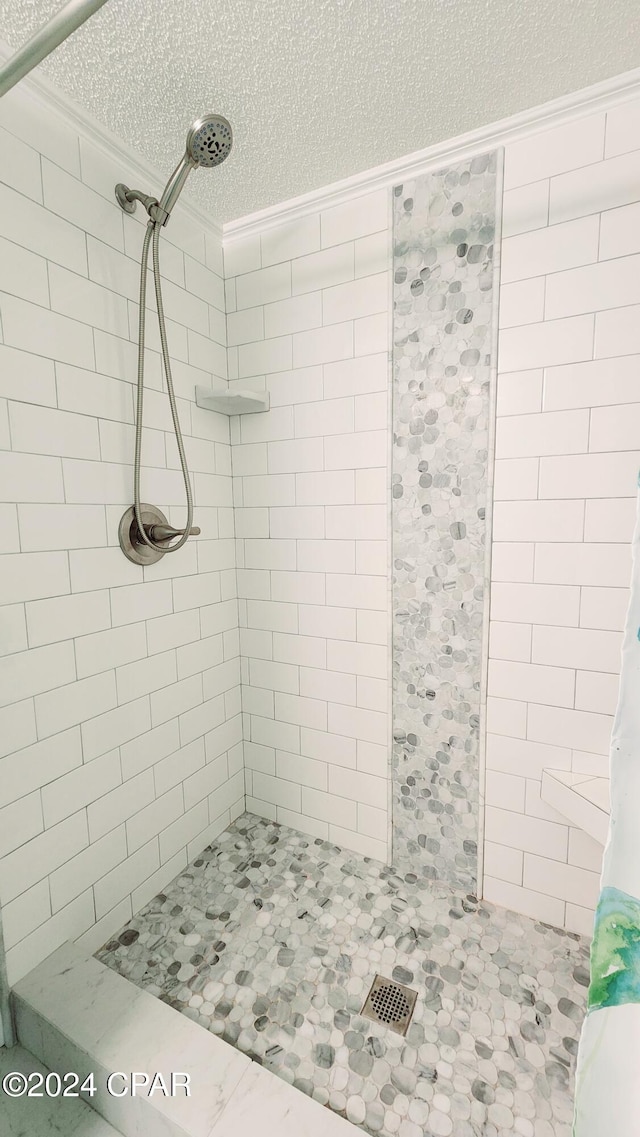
166 532
156 527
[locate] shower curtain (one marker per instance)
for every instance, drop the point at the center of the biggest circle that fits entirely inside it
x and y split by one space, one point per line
607 1102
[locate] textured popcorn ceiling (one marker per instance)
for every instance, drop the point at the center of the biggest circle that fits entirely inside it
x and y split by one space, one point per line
318 90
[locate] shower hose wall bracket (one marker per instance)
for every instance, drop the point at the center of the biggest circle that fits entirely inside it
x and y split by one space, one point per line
128 199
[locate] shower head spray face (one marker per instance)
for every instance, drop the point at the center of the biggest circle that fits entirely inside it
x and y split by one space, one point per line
209 140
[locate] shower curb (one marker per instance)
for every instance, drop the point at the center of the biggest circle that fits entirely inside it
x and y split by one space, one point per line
75 1014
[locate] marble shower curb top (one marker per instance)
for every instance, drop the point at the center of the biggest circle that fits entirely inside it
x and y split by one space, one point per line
74 1013
581 798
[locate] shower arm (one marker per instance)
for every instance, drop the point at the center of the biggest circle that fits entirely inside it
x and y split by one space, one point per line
58 28
128 199
159 211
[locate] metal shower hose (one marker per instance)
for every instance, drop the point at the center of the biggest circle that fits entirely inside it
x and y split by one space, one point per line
153 227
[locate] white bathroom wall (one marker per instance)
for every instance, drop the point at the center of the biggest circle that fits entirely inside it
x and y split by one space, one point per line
567 458
120 726
120 720
568 440
308 318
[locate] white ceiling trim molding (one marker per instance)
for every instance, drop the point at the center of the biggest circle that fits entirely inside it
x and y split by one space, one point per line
591 100
595 99
42 90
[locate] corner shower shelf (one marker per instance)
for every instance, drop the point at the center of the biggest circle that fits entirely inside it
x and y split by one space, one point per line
581 798
231 401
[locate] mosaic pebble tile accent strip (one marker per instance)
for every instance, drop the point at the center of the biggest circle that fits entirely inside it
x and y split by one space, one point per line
444 230
271 940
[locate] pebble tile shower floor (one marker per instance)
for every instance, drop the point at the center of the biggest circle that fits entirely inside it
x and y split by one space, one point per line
271 940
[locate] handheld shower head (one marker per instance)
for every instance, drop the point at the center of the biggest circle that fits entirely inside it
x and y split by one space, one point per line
209 142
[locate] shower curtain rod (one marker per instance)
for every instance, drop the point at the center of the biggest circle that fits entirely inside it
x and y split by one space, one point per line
61 25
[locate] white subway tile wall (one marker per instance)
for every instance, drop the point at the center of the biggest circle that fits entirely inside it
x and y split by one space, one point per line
121 726
565 475
135 702
567 457
311 491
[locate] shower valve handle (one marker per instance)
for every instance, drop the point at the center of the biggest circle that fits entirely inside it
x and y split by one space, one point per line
166 532
156 529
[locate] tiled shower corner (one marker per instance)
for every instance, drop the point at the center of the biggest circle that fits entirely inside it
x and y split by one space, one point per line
271 939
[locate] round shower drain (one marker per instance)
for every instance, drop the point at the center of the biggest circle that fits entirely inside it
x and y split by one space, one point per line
390 1004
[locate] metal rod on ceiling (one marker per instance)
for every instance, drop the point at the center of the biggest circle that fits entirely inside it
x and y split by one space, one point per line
61 25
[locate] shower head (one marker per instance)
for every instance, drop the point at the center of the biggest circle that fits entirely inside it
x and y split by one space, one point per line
209 142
